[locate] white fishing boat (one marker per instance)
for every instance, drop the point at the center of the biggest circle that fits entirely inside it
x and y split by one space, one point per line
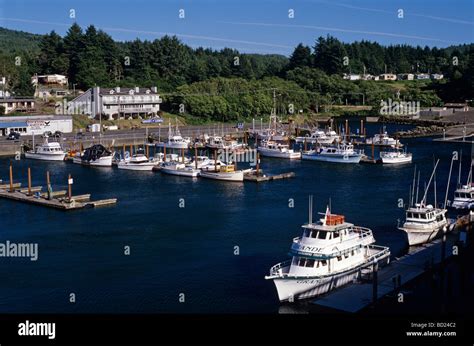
395 156
320 137
97 155
382 139
423 222
339 153
218 142
202 161
180 169
47 151
138 162
464 194
329 254
222 172
278 150
175 140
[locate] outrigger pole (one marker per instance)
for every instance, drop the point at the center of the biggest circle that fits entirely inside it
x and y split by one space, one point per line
429 183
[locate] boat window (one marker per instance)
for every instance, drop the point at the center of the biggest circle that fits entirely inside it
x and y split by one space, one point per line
346 255
423 216
339 258
322 235
352 253
302 262
310 263
335 235
324 262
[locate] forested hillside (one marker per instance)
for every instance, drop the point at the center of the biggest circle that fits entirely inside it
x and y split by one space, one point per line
226 85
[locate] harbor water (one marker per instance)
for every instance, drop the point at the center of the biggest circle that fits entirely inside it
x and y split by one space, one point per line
196 246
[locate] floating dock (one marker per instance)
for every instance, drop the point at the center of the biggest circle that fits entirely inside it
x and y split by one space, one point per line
357 296
61 199
252 176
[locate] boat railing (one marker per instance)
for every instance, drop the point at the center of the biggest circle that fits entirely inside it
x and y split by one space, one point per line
275 270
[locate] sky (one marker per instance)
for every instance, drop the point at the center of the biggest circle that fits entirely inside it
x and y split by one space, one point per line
253 26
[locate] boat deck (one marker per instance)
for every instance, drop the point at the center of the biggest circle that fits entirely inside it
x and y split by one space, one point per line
355 297
263 177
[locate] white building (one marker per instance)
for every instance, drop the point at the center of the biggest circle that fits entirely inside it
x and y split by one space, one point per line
351 76
422 76
35 124
48 79
117 102
17 104
437 76
406 76
388 76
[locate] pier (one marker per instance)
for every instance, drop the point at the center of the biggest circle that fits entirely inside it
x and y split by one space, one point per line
61 199
389 279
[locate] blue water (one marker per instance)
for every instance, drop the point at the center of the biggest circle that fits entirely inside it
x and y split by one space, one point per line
189 250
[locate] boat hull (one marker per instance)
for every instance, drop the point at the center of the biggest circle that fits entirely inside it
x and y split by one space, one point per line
148 166
290 289
46 157
396 160
225 176
105 161
181 172
332 158
280 155
421 236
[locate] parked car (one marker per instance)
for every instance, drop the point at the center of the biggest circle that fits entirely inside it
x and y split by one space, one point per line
13 136
57 134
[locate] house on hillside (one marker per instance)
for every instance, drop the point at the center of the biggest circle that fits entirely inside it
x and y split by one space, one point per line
388 76
117 102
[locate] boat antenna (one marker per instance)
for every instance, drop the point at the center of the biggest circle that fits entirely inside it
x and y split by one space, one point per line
310 211
413 187
434 186
459 173
469 178
423 201
409 196
330 207
417 187
449 179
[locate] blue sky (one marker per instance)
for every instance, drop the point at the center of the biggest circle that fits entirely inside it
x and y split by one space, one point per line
260 26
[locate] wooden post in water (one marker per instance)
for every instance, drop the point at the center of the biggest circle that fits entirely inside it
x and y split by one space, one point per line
258 163
195 156
361 127
48 184
123 151
347 130
29 181
147 151
182 155
373 151
164 152
215 160
305 149
69 190
131 150
11 178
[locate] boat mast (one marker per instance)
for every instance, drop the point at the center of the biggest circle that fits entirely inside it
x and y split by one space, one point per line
423 201
413 187
434 186
417 187
310 210
459 173
449 179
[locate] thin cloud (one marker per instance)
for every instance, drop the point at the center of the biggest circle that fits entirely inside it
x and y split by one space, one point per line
324 28
157 33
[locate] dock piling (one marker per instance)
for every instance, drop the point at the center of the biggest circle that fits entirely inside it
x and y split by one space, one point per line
48 185
29 181
69 190
11 178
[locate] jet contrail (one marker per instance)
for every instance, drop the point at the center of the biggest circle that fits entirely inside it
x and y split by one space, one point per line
378 33
406 13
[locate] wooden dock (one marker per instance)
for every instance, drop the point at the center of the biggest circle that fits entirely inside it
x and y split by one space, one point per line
252 176
58 201
357 296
